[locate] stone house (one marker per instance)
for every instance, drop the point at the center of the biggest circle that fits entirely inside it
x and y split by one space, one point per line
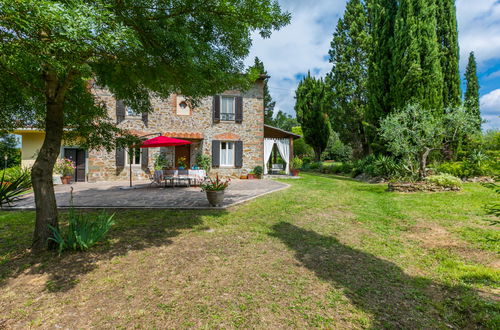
229 128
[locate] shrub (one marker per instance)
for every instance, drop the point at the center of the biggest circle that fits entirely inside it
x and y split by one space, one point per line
297 163
160 161
258 170
445 180
204 162
13 185
64 167
83 231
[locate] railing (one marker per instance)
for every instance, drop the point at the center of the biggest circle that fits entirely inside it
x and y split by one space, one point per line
227 116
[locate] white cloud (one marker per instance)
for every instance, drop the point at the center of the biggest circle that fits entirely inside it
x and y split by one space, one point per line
490 109
298 47
479 30
303 45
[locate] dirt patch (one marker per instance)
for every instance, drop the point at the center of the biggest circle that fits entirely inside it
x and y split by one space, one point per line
409 187
433 236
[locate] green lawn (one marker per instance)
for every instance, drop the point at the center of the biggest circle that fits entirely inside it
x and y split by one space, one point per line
327 252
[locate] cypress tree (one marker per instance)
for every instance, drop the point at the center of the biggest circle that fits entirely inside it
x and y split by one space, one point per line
349 75
381 20
472 88
447 34
268 100
312 107
417 75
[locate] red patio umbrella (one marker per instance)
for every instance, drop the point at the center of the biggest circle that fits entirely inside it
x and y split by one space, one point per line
159 141
163 141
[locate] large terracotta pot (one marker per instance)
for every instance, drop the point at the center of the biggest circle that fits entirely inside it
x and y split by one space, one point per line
66 179
295 172
251 176
215 198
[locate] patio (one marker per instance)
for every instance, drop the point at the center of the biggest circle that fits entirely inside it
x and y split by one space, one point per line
110 195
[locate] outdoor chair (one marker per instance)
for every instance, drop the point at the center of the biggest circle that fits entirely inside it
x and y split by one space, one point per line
183 176
155 179
169 175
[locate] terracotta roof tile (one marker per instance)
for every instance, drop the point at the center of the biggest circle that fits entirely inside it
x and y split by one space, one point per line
185 135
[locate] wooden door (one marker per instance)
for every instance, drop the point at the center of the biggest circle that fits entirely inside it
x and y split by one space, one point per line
183 151
78 157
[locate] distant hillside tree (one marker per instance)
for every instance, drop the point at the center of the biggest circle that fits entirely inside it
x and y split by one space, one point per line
268 100
285 121
9 147
471 100
312 106
447 34
349 77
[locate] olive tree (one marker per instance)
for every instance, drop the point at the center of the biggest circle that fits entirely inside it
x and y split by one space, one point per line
414 132
52 51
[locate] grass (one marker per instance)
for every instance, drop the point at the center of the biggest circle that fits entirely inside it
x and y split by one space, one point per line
327 252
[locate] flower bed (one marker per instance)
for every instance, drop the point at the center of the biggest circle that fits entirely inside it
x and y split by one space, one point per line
409 187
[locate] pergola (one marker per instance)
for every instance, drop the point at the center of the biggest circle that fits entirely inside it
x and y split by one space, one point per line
283 141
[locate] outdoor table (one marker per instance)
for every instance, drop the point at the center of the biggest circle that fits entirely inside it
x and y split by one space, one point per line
196 176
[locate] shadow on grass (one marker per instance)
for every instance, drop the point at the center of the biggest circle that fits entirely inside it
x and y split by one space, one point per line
134 230
395 299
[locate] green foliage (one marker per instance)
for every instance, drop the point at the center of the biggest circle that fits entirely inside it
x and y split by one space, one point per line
268 100
83 231
297 163
382 14
336 149
493 207
160 161
300 147
215 184
284 121
14 182
204 161
258 171
471 100
348 78
312 107
64 167
447 34
412 133
417 75
9 147
445 180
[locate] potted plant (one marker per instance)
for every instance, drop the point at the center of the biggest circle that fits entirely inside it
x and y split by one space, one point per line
204 161
296 165
215 189
182 163
251 175
65 167
258 171
160 162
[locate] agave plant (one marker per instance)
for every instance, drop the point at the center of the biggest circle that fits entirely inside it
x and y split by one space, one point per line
13 188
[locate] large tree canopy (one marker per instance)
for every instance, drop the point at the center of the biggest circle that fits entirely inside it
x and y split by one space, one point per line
137 48
471 101
313 103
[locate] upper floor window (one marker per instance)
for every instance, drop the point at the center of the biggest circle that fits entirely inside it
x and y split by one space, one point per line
183 108
227 153
227 110
131 112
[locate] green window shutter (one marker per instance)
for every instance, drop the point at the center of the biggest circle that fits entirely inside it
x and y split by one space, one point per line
238 153
238 115
120 157
120 111
215 153
216 109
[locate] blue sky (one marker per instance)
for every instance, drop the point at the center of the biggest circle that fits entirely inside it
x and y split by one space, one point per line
303 45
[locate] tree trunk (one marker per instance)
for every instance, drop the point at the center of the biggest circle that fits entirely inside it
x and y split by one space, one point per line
317 154
423 163
41 172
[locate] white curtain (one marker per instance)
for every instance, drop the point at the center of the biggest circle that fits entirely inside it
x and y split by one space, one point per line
284 149
268 149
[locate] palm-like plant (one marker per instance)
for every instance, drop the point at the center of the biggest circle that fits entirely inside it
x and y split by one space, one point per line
13 187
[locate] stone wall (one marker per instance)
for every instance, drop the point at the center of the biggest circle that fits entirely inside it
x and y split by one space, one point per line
199 124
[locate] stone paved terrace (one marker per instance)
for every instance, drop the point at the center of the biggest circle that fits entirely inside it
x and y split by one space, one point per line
110 195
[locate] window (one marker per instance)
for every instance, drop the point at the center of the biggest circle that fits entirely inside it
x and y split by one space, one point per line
136 157
227 153
227 108
131 112
183 107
